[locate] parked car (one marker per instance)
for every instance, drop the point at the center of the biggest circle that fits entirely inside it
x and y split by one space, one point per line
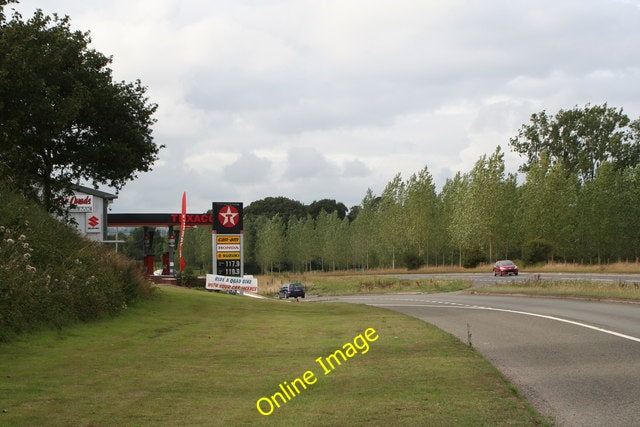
292 290
505 266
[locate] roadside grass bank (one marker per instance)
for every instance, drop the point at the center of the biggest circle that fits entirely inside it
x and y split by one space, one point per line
561 267
329 284
185 357
51 277
568 288
622 267
325 284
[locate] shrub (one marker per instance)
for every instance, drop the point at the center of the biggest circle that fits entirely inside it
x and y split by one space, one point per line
473 258
51 276
412 260
537 250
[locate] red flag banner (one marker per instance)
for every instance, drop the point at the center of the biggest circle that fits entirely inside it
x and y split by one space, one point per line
183 227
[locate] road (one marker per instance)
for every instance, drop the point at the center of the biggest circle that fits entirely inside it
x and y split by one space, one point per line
575 361
488 279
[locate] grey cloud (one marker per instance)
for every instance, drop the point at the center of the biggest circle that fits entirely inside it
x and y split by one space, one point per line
248 169
307 163
356 168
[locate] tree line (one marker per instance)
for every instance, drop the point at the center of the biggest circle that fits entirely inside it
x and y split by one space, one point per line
579 202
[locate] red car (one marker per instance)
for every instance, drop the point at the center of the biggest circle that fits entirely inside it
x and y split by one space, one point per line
505 267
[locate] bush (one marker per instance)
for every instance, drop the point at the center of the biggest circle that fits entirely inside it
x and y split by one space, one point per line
537 250
473 258
412 261
51 276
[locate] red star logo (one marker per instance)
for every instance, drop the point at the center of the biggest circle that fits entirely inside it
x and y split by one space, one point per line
93 221
228 216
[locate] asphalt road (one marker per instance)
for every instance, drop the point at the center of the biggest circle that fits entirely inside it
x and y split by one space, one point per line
575 361
488 279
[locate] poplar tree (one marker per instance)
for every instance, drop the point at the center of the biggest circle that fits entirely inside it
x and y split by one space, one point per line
453 212
603 225
420 208
270 244
363 231
391 222
546 212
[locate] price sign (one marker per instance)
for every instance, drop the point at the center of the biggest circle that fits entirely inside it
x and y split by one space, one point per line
227 239
228 268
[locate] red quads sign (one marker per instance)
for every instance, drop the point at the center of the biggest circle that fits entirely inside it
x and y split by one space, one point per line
79 203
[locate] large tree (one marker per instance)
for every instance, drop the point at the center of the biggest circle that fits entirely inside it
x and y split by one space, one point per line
328 206
271 206
581 139
63 119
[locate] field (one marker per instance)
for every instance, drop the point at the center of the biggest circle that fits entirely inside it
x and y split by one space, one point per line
190 357
382 281
568 288
324 284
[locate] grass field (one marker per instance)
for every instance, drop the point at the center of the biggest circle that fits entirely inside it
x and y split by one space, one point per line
323 284
189 357
382 281
568 288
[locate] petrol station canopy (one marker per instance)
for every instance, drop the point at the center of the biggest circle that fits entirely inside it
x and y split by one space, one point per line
157 219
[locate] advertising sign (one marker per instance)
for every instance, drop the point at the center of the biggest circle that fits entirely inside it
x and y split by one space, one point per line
80 203
227 217
224 283
93 224
227 239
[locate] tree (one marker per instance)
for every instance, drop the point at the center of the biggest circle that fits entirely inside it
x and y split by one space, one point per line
420 208
582 139
547 208
330 234
483 217
271 206
300 243
328 206
452 208
631 203
270 244
390 222
62 117
604 215
363 235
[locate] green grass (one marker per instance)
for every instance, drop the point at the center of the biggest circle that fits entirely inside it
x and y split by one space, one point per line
189 357
568 288
324 284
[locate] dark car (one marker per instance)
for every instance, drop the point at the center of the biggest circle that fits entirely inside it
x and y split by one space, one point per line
505 267
292 290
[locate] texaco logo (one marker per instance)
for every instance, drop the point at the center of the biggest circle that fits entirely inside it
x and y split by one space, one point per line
228 216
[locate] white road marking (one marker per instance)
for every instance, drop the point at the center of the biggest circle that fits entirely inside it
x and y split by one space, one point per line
440 304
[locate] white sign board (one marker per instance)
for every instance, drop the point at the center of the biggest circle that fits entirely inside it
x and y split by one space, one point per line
93 224
227 283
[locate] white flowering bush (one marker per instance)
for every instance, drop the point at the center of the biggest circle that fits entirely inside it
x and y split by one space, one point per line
50 276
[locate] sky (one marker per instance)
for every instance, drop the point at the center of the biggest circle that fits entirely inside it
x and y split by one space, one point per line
326 99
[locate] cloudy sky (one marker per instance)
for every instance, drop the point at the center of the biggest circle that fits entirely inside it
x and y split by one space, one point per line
325 99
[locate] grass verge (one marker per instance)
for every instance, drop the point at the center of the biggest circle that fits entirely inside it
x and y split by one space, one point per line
323 284
193 358
568 288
